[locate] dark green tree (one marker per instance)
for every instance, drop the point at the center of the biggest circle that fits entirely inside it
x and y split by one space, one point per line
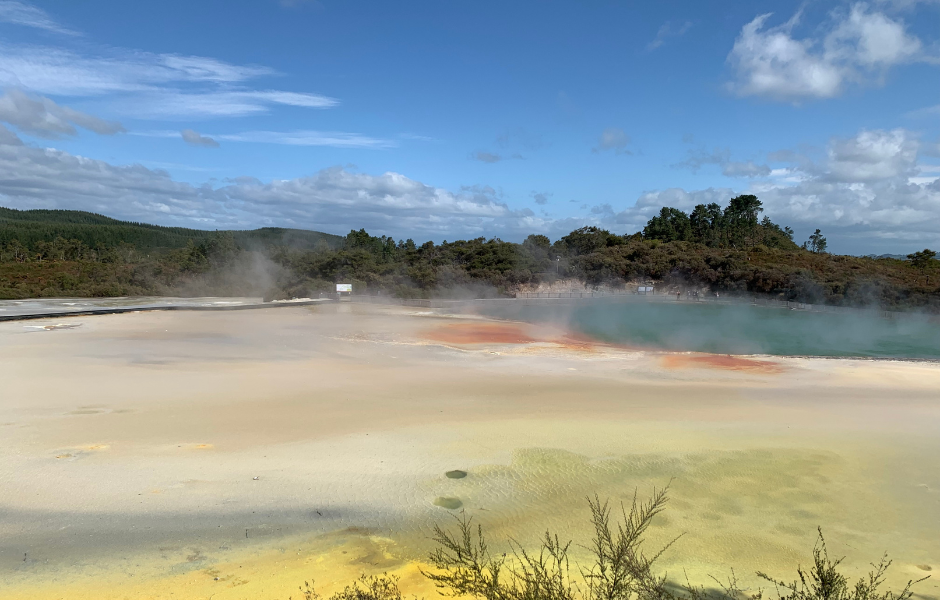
671 225
816 243
921 260
740 220
707 223
588 239
538 241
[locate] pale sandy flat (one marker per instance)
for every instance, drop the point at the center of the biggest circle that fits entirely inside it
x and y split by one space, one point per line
235 455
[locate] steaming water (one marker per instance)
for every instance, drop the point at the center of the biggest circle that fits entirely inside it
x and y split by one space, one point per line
740 329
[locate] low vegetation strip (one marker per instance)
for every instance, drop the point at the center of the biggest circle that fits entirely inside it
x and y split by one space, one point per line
713 250
620 568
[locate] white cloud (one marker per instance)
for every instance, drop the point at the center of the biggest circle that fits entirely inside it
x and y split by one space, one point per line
905 4
871 40
44 118
865 192
872 156
613 138
929 111
649 204
200 68
335 139
63 72
171 103
858 48
334 199
149 85
27 15
771 63
867 188
193 138
666 31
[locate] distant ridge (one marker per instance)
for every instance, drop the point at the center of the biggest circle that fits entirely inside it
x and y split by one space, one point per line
894 256
31 226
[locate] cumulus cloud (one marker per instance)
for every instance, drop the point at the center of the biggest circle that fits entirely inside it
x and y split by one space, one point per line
149 85
865 192
869 187
334 199
872 156
613 138
859 47
666 31
44 118
193 138
27 15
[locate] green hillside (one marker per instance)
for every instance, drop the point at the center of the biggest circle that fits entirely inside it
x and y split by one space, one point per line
30 227
724 250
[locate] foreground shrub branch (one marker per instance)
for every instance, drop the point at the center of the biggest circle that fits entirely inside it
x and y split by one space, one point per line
620 569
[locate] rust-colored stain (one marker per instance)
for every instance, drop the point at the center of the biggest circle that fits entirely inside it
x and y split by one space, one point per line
480 333
575 341
720 361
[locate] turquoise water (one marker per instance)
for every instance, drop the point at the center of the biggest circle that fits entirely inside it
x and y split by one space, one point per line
740 329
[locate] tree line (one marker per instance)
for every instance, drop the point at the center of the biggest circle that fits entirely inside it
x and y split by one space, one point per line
726 249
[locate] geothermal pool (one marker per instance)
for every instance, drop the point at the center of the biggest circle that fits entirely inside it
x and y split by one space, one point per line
740 328
236 455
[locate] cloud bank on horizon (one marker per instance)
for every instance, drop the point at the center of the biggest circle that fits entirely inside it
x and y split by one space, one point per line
829 116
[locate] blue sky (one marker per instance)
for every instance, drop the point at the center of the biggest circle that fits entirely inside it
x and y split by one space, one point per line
446 120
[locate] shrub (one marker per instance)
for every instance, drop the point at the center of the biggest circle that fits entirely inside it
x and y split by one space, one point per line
620 569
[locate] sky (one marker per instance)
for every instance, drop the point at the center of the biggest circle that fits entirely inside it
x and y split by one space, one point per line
457 119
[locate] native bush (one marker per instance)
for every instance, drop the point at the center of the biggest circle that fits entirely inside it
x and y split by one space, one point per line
620 568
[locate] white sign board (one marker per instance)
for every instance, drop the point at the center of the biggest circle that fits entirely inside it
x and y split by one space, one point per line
344 287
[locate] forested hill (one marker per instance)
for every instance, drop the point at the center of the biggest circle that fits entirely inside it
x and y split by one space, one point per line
729 249
30 227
